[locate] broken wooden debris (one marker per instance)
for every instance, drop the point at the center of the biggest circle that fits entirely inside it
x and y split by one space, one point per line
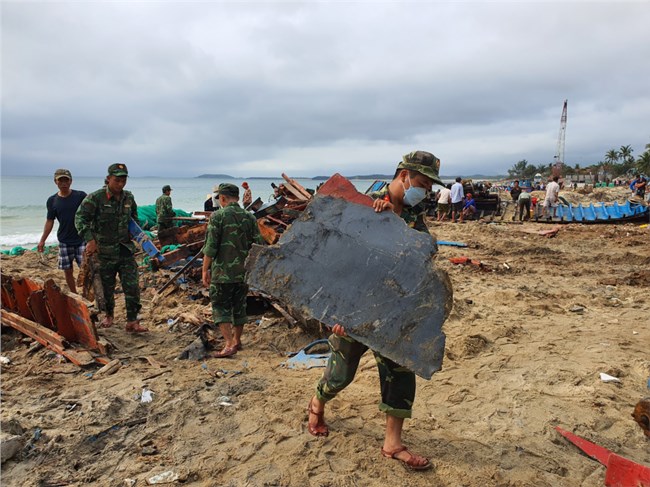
90 281
190 261
341 262
108 369
60 321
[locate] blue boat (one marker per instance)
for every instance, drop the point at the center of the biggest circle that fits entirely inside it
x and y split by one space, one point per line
630 211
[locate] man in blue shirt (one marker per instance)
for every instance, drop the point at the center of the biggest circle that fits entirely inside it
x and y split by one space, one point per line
62 206
469 208
638 186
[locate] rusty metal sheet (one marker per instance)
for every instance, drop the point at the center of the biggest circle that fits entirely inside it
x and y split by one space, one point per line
341 262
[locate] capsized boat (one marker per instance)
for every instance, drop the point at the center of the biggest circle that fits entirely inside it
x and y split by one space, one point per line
629 211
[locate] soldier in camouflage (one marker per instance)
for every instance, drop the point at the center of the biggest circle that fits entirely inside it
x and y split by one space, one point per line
231 233
102 221
404 195
164 209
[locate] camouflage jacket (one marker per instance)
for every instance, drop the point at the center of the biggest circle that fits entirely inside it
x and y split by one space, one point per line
164 210
231 233
105 219
412 215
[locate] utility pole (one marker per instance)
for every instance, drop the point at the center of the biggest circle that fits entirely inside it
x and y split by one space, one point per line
559 154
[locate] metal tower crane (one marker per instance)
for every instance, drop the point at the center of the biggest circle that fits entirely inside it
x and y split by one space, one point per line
559 154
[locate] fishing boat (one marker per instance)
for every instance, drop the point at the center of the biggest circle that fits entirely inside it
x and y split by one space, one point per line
630 211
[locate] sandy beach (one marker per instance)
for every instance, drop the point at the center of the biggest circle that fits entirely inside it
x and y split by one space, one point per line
529 334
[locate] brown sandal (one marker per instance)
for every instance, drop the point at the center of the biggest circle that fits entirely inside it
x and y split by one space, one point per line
226 352
321 428
411 462
135 327
107 322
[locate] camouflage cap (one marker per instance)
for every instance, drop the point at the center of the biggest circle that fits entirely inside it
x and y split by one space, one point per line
166 188
118 169
228 189
423 162
62 173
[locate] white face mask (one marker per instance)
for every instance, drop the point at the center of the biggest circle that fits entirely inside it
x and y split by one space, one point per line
413 195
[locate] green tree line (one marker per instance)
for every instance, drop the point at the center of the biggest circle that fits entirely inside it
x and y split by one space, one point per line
617 162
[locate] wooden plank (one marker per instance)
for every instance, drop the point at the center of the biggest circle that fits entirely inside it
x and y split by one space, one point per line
38 306
275 220
291 189
340 187
22 289
269 235
8 300
71 316
297 185
180 253
43 335
188 235
283 312
49 339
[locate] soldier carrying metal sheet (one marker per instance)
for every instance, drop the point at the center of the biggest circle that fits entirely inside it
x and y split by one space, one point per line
414 177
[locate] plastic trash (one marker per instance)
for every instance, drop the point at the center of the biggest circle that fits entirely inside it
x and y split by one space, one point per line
4 360
306 359
147 395
224 401
608 378
163 478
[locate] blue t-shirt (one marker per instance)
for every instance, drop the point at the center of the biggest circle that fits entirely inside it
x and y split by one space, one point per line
64 210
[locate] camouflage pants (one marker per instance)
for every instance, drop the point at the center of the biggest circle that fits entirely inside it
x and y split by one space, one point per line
229 302
123 263
397 382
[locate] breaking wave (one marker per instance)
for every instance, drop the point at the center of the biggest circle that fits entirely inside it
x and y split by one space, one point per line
27 240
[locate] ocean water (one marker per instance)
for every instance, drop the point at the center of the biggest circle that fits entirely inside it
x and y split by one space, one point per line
23 198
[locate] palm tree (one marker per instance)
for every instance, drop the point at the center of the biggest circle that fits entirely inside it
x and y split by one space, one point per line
625 153
612 156
518 170
643 162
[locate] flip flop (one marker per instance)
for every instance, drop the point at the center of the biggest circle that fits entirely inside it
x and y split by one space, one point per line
135 327
226 352
410 463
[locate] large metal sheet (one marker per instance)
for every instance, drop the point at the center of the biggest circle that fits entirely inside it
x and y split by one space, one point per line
341 262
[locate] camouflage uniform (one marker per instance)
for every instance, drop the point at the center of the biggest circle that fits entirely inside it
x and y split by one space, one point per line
104 218
164 212
231 233
397 382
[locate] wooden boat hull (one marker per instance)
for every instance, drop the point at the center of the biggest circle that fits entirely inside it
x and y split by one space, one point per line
596 213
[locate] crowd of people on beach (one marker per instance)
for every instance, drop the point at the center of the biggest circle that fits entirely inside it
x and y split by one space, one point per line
96 226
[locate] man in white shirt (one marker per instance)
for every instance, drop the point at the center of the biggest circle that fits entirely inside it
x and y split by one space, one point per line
552 198
444 200
457 195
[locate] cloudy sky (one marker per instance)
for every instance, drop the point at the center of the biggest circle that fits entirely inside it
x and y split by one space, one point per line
260 88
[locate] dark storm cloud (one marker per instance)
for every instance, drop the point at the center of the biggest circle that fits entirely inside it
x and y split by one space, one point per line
189 88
